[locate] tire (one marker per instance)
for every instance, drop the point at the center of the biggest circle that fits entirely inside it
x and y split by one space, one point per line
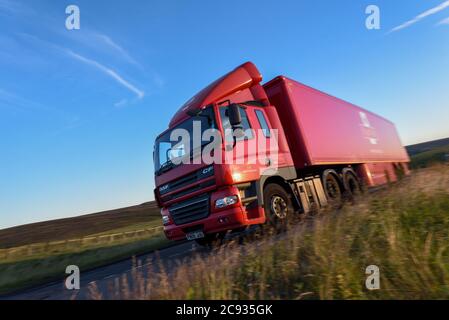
278 206
352 184
332 188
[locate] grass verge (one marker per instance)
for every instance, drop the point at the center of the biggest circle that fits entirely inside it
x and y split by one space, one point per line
404 230
26 273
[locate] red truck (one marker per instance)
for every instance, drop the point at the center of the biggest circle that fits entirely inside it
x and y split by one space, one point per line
326 149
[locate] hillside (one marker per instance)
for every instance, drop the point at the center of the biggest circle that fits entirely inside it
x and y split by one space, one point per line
426 154
426 146
71 228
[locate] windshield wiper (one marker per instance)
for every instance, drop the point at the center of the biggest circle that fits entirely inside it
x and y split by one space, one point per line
166 167
199 113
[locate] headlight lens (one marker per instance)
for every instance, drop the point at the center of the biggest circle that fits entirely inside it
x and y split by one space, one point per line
165 220
226 201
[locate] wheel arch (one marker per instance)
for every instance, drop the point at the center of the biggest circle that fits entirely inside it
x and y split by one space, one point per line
335 174
281 177
349 170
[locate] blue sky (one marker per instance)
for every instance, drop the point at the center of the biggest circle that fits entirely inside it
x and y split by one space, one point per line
80 109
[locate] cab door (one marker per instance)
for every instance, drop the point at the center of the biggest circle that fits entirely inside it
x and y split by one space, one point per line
248 155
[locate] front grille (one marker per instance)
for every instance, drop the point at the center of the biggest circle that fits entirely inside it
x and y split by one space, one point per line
186 180
179 194
190 210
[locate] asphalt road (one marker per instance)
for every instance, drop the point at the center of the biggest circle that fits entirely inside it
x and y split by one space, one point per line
103 276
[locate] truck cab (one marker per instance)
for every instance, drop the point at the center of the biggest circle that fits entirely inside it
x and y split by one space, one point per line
201 199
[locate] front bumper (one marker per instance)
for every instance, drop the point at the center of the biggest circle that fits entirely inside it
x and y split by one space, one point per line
218 220
229 219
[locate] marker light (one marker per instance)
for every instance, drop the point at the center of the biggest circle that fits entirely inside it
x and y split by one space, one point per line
236 176
226 201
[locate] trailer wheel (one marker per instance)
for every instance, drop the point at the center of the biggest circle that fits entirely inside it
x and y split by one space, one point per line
351 183
332 187
278 206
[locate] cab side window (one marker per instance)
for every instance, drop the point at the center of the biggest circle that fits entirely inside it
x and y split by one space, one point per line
263 123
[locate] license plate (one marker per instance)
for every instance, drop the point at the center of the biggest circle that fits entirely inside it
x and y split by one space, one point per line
195 235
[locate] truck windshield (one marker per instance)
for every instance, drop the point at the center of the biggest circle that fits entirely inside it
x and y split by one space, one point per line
165 153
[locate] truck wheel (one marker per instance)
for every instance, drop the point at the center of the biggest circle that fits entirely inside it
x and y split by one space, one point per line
332 187
352 184
278 206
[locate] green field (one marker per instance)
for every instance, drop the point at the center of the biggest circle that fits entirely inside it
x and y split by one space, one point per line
38 253
38 270
430 157
146 215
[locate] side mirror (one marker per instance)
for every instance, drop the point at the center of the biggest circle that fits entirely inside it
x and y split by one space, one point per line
235 120
235 117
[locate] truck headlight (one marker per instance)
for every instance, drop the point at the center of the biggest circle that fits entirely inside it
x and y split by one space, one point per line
165 220
226 201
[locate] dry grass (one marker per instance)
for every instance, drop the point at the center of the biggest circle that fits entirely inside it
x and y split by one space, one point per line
404 230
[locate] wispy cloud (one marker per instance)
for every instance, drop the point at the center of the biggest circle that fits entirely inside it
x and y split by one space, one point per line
8 6
107 40
111 73
121 103
16 8
421 16
104 45
19 104
140 94
15 101
444 21
87 37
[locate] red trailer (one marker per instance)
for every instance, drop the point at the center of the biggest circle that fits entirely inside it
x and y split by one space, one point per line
326 148
323 130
